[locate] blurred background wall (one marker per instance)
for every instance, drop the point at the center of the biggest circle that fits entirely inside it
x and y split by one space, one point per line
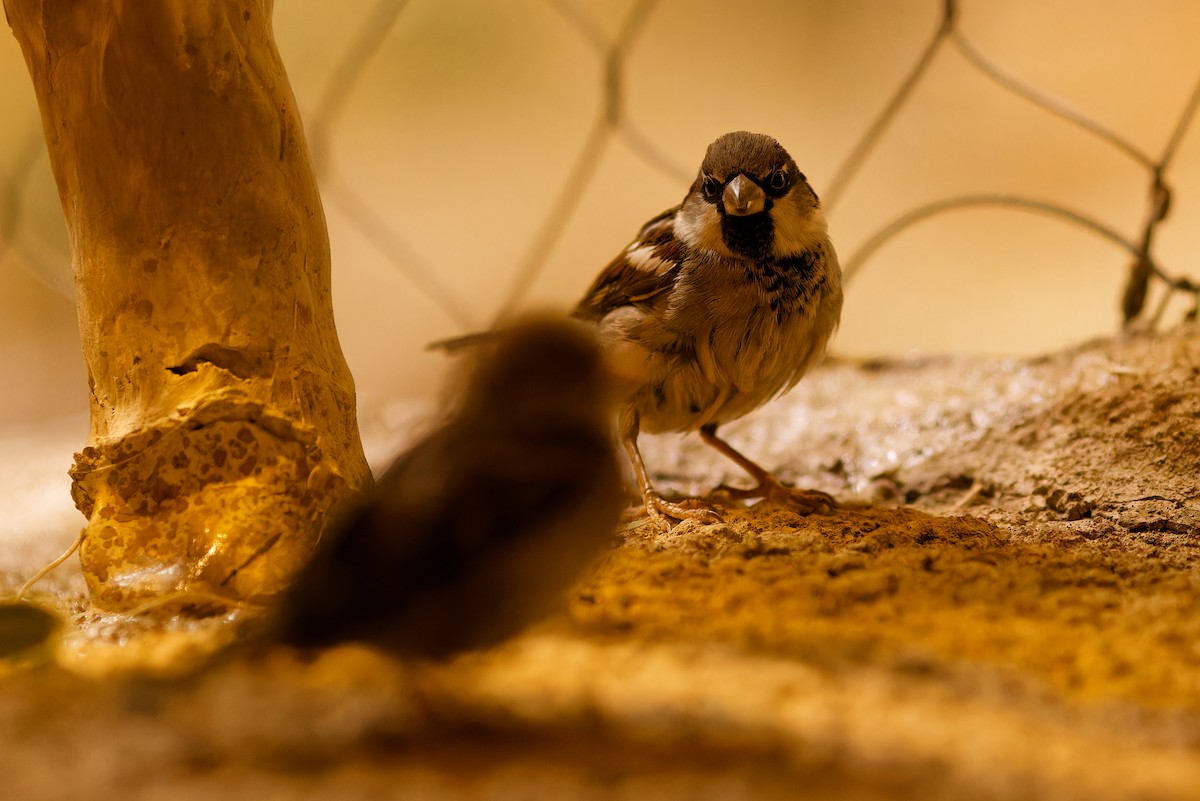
447 133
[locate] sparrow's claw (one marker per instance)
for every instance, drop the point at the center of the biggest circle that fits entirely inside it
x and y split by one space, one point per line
806 502
663 512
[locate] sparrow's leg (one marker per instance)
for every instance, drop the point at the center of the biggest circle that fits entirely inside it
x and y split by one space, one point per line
661 510
808 501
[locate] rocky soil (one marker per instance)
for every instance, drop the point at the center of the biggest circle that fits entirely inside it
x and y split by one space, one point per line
1006 606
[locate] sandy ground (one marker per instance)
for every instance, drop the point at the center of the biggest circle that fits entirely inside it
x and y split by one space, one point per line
1005 607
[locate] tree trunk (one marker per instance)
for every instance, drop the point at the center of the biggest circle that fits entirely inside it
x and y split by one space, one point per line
223 424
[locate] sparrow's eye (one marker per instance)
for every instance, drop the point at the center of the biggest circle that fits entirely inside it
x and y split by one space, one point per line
778 180
711 187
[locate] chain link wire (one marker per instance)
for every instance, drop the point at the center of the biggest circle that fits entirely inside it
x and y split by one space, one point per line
613 121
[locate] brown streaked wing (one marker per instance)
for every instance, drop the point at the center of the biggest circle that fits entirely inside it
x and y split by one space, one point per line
646 268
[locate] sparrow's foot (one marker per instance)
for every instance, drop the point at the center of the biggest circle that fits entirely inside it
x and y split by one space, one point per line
664 512
806 502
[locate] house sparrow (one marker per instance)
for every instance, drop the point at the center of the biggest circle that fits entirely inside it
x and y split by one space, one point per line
721 304
479 528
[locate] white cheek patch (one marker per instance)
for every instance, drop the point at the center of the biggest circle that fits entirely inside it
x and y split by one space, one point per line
797 227
698 225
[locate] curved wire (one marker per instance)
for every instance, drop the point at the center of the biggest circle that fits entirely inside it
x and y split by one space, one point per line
866 143
1189 111
889 231
582 172
366 43
1047 103
552 227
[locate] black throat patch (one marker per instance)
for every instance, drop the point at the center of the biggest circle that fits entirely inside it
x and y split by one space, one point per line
750 237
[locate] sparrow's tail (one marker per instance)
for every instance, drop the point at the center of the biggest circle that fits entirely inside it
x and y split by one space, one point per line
455 344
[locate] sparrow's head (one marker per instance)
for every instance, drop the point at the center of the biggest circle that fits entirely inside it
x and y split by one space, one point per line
750 200
541 369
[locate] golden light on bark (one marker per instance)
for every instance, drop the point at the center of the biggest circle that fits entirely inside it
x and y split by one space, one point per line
223 425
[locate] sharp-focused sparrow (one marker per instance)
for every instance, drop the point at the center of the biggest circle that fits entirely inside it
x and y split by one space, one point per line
721 304
481 527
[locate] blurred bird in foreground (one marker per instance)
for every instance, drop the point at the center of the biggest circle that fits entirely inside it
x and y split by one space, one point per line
481 527
718 306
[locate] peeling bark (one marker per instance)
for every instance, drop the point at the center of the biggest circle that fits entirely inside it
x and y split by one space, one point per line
222 411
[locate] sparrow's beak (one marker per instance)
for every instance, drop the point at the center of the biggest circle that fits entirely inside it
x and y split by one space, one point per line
742 197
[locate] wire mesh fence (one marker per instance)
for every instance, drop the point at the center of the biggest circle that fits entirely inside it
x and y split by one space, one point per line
477 158
614 121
